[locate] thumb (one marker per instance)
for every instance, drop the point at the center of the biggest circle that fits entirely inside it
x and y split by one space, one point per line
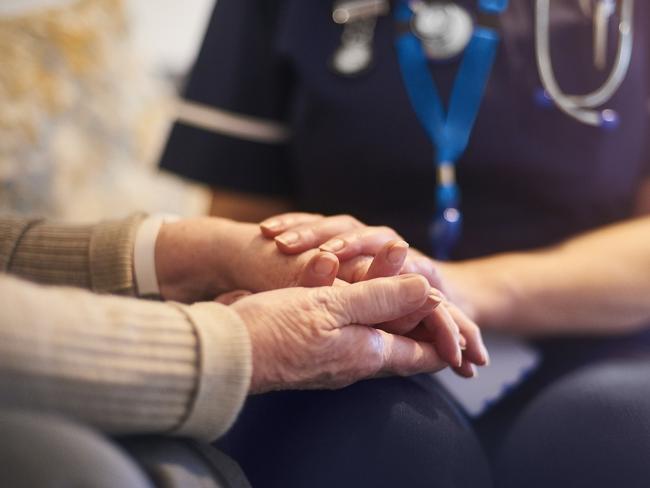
379 300
320 270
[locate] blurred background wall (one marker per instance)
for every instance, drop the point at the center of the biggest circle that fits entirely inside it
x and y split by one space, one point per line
86 99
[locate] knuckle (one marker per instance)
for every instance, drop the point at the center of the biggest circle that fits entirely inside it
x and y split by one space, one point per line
287 219
383 229
326 300
350 220
373 357
308 235
295 218
282 216
423 262
359 357
322 297
409 267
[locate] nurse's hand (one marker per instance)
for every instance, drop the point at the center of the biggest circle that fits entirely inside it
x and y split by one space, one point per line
326 337
368 252
353 242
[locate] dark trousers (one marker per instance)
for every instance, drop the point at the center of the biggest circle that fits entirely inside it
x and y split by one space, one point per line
582 421
39 450
389 432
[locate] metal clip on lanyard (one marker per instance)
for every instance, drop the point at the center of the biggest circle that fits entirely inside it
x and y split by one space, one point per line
449 132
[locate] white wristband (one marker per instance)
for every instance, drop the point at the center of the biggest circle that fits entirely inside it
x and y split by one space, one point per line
144 254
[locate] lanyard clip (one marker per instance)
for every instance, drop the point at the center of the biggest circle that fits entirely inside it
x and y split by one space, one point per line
447 224
445 231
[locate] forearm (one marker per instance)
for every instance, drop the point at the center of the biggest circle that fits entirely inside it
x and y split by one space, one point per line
123 365
597 283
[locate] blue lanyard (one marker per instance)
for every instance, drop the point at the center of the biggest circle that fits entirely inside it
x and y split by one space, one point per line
449 132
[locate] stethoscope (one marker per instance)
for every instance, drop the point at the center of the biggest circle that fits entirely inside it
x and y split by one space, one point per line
438 31
583 107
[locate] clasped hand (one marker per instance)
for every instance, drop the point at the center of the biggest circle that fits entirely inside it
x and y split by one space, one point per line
374 321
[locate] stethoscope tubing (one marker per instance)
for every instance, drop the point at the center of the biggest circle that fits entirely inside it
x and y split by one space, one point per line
581 107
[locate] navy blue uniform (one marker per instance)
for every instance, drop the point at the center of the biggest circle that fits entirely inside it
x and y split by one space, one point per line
530 177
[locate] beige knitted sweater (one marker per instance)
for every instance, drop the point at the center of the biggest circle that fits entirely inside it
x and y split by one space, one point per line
122 364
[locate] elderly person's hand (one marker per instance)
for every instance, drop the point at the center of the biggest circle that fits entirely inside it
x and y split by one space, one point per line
355 244
200 258
438 325
325 337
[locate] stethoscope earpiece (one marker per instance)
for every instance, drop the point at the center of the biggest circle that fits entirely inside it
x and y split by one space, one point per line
610 119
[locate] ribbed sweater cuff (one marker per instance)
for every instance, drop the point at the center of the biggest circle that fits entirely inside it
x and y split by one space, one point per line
225 368
111 256
97 257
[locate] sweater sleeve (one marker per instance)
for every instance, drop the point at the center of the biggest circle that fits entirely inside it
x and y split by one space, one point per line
123 365
96 257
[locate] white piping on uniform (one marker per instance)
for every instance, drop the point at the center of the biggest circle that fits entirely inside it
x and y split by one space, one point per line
230 123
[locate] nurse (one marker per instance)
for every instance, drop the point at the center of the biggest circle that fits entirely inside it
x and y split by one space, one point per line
288 109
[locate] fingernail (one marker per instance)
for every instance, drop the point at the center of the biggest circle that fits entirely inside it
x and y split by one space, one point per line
333 246
474 371
456 332
397 252
458 355
462 342
324 265
272 224
436 296
432 302
429 305
288 239
413 289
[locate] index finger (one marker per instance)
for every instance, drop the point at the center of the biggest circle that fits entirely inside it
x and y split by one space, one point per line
375 301
446 334
405 357
302 237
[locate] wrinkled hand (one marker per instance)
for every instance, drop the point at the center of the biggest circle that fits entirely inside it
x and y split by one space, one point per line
325 337
439 325
355 245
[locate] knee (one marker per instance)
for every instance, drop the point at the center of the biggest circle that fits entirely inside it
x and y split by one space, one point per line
589 429
44 450
390 432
